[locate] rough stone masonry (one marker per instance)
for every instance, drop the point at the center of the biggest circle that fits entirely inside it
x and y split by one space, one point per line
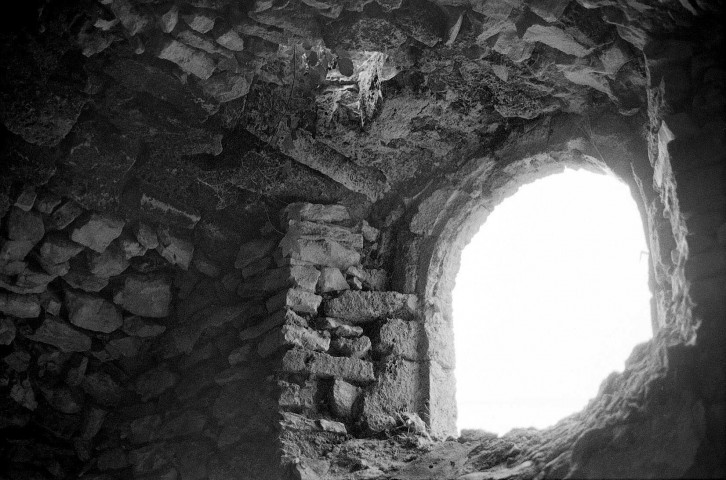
229 231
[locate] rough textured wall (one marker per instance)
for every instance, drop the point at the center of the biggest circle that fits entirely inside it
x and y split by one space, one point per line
167 314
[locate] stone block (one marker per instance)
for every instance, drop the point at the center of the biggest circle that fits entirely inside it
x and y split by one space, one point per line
281 317
301 229
21 306
365 307
351 347
399 388
97 231
146 296
400 337
295 299
322 252
175 249
315 213
61 335
92 312
110 263
14 250
441 384
298 398
58 248
370 278
83 280
130 245
321 365
331 280
22 225
146 236
64 215
293 336
343 398
339 328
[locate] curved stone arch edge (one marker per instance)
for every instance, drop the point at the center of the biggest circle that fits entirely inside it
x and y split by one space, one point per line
450 213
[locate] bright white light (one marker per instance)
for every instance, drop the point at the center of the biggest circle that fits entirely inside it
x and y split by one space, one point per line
551 297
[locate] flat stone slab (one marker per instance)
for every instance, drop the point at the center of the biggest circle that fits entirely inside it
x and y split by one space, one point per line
364 307
295 299
323 252
92 313
97 231
21 306
61 335
315 212
324 366
147 296
293 336
58 248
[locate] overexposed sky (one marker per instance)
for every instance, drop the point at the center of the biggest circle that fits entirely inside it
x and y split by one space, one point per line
551 297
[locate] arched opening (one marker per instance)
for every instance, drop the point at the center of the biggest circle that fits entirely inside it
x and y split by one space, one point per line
551 296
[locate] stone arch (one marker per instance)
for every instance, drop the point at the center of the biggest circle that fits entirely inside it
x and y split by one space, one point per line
447 216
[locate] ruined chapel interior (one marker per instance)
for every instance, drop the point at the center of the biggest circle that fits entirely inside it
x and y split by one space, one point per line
230 229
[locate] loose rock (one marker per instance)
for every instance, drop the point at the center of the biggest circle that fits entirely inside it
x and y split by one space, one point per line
92 313
97 231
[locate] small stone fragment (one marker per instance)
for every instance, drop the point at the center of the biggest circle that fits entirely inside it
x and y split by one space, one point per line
231 40
141 327
97 231
176 250
147 296
370 234
22 225
351 347
21 306
333 427
295 299
26 199
92 313
22 392
65 215
130 245
343 397
199 22
146 236
47 202
168 20
331 280
58 333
